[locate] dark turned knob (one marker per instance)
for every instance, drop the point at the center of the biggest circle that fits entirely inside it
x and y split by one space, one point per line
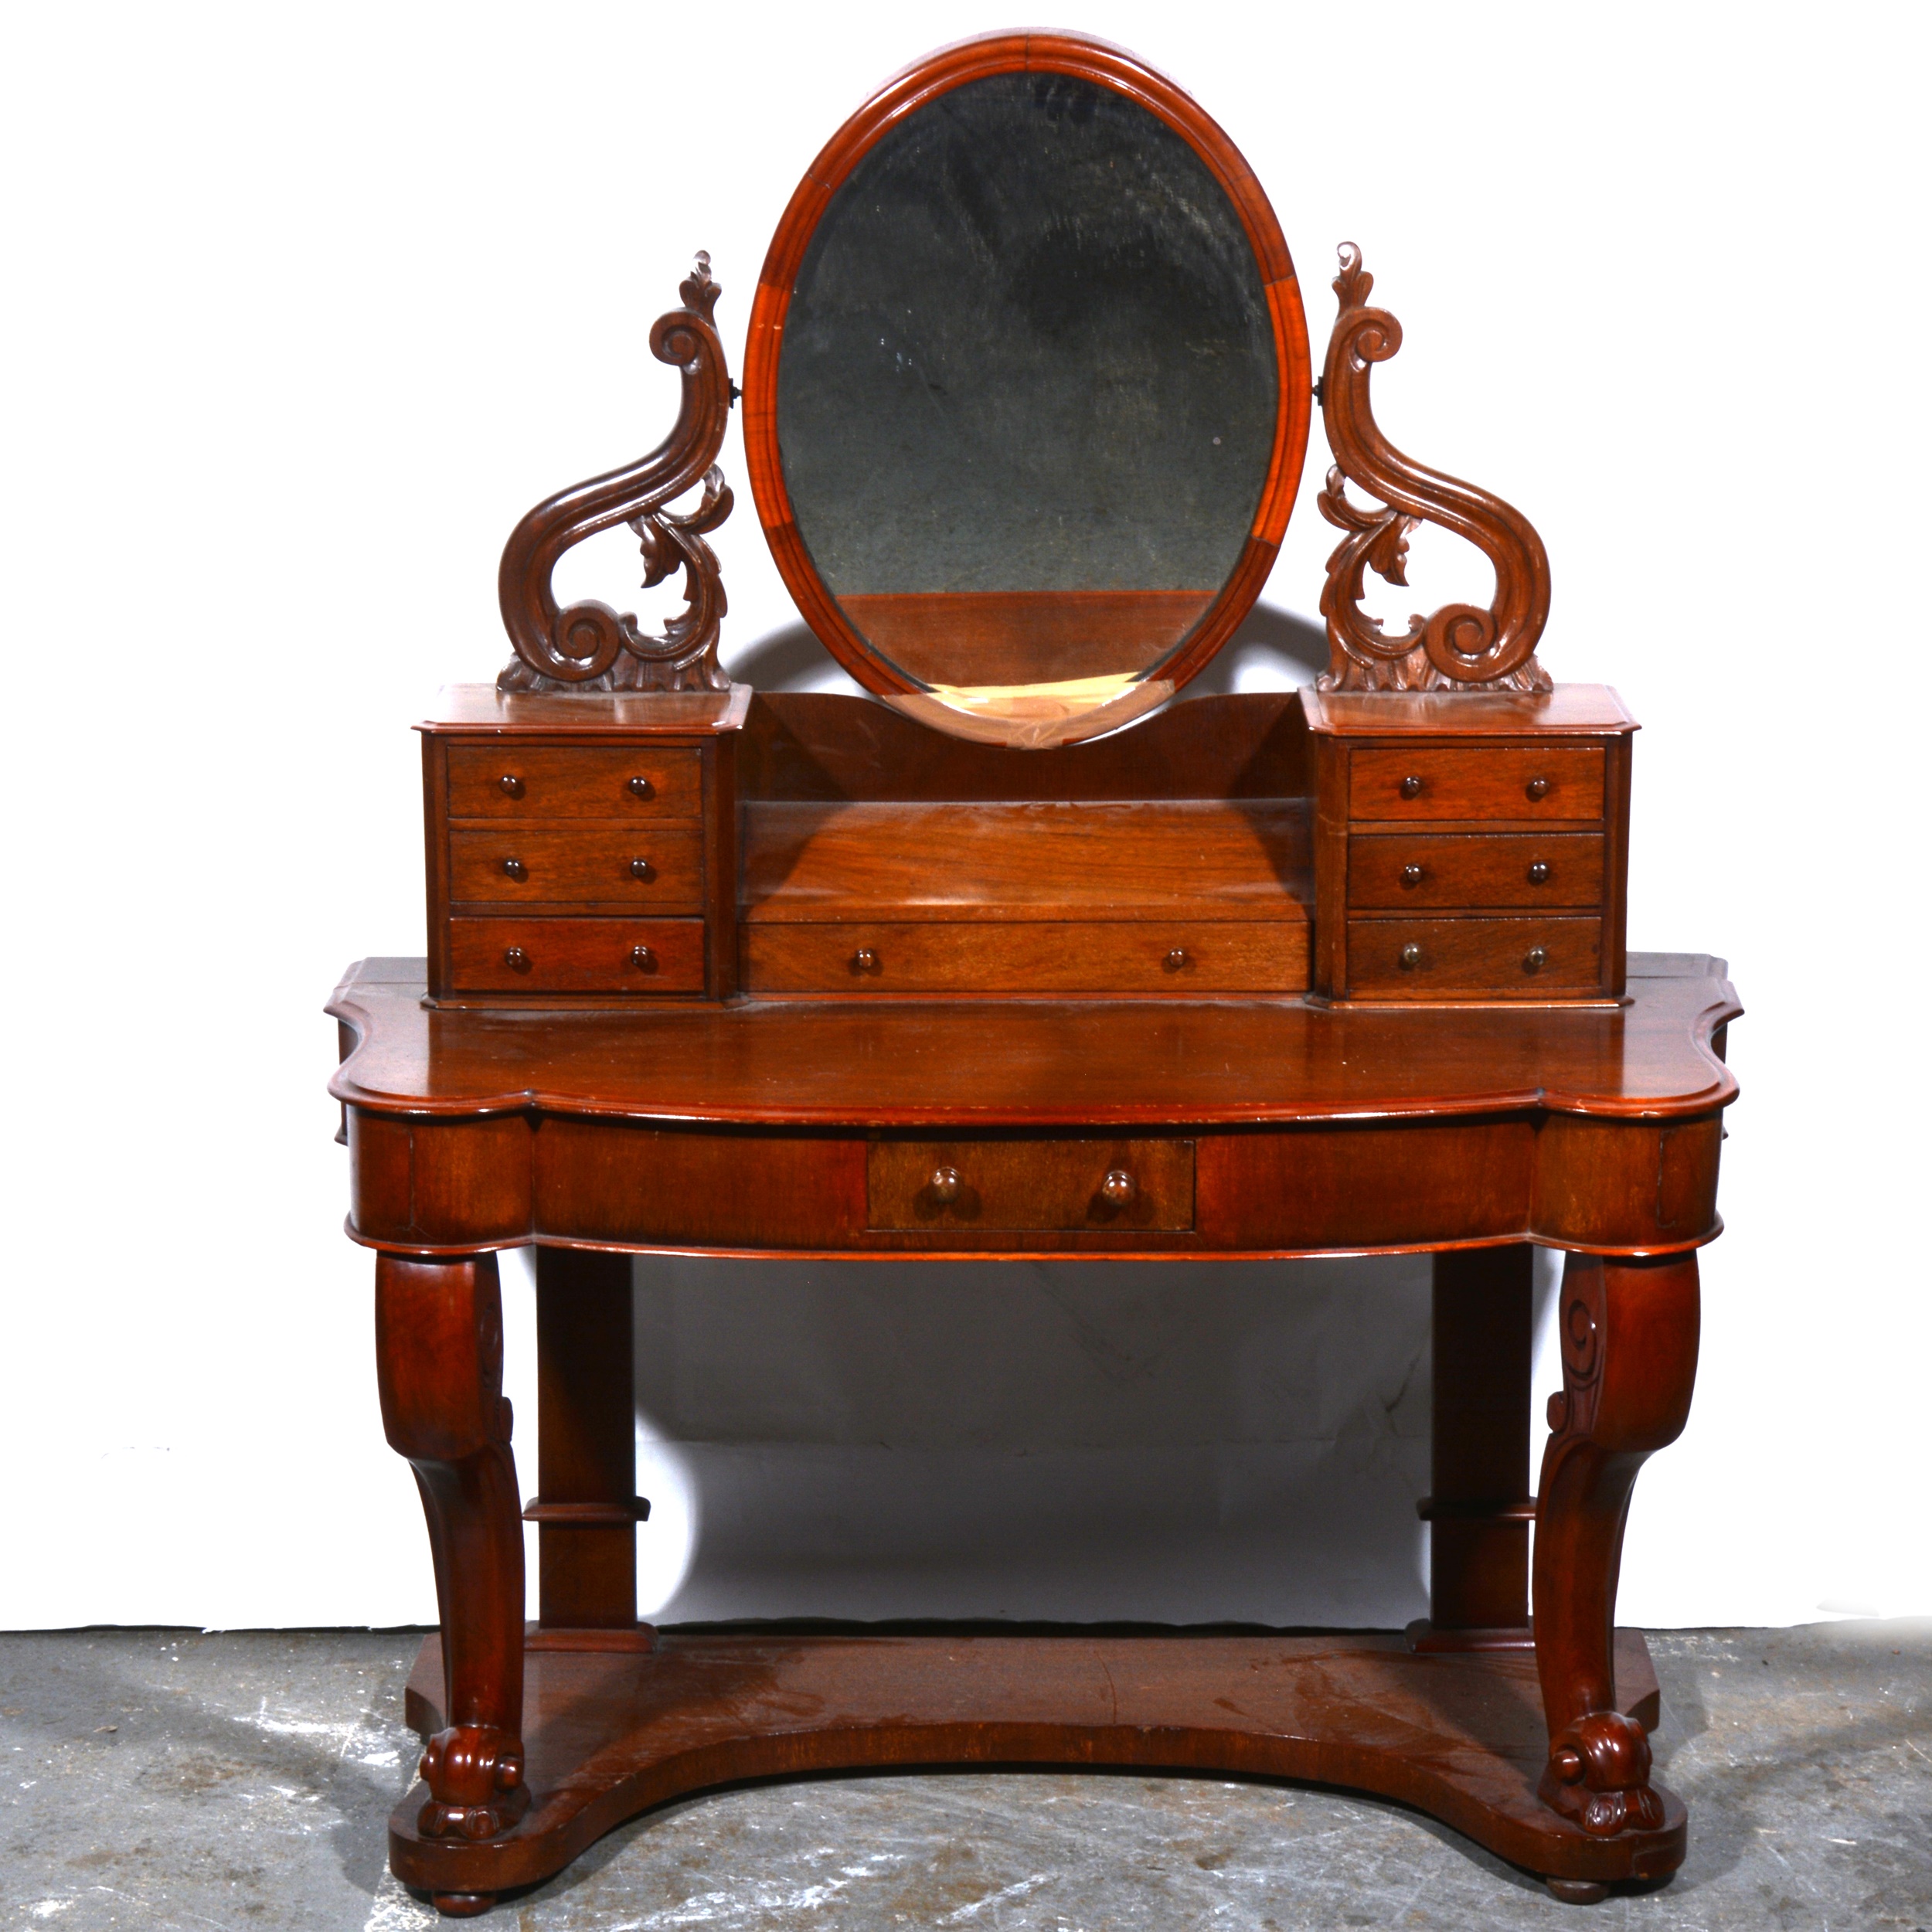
945 1186
1412 788
1535 960
1117 1189
865 960
642 868
1176 960
644 959
1413 875
1538 788
510 785
1410 957
516 868
1538 873
517 959
642 788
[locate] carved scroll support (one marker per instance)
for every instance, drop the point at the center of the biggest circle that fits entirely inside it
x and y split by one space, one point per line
1629 1334
1461 645
589 646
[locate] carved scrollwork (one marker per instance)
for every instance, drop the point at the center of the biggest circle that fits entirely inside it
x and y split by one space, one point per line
1460 645
589 646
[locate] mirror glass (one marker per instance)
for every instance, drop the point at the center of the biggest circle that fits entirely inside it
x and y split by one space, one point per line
1026 399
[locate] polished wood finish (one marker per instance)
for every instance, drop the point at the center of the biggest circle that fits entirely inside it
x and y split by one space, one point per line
545 815
587 1509
439 1363
1473 807
1101 66
1460 644
1010 1185
1460 1737
1629 1331
1477 1513
1023 637
590 646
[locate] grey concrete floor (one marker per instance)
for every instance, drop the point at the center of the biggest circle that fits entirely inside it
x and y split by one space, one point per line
159 1779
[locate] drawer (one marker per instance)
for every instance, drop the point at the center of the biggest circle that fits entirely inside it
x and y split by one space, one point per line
1409 869
1474 955
1023 956
505 780
1030 1186
640 863
576 955
1486 780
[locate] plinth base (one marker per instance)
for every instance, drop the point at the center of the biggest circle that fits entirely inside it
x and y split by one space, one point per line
607 1735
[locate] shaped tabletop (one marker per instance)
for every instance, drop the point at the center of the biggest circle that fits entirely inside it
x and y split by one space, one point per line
1048 1063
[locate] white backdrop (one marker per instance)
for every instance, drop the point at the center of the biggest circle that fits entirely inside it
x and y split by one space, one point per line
306 305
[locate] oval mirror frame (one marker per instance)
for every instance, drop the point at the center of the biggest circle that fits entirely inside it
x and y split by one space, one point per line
1099 64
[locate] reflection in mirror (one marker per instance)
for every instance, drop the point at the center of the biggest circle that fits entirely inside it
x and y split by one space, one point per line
1026 400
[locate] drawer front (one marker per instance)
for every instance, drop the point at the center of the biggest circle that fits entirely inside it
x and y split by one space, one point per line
1476 782
1525 958
639 956
1021 956
508 781
641 863
1030 1186
1406 870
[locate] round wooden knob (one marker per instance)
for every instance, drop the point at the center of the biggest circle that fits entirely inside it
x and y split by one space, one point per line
1410 957
1535 960
1538 788
642 868
517 959
642 788
1538 874
516 868
1413 875
644 959
510 785
944 1187
1117 1189
1412 788
865 960
1176 960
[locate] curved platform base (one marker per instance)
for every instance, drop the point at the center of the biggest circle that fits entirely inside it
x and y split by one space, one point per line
608 1735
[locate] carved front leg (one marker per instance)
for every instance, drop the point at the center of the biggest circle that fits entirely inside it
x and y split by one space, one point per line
1629 1331
439 1355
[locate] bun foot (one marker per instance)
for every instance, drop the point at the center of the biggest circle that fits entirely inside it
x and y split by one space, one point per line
1574 1891
470 1905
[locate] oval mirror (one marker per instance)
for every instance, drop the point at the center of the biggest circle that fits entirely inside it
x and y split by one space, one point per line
1027 391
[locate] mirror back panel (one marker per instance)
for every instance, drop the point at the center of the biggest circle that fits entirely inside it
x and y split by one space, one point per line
1027 390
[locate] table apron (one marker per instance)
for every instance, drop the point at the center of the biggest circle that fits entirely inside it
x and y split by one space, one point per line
1607 1185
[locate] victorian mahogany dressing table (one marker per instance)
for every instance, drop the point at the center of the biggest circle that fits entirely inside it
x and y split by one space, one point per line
967 968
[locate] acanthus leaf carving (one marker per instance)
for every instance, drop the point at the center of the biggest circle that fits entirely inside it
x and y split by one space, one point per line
1460 645
588 646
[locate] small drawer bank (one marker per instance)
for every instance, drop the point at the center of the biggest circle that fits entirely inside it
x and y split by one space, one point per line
581 851
1470 846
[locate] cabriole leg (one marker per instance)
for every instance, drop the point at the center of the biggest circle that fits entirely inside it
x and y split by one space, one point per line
439 1356
1629 1334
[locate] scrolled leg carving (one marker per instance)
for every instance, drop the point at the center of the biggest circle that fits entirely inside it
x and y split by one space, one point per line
439 1351
1629 1335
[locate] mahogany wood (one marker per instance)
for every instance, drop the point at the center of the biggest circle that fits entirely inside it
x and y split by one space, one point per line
1102 65
1023 637
439 1364
1408 871
1543 782
1459 645
518 953
1460 1736
660 866
1477 1513
586 1508
1526 958
1628 1330
529 783
590 646
1014 1185
1141 954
